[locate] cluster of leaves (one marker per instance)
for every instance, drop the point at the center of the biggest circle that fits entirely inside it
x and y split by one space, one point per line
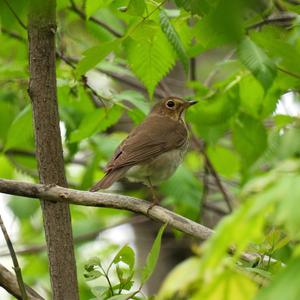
243 66
124 262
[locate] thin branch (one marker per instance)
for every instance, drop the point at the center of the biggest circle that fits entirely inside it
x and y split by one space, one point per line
15 260
281 21
294 2
22 24
214 173
97 100
137 219
218 182
83 16
157 213
205 192
216 70
165 89
214 208
60 194
13 35
296 75
71 61
125 79
9 282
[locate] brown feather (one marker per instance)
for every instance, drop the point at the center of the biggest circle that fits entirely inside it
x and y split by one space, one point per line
162 131
156 135
109 178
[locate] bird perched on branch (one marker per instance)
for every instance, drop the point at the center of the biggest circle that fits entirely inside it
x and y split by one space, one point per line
153 150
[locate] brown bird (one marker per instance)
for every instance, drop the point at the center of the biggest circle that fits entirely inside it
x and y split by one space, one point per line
153 150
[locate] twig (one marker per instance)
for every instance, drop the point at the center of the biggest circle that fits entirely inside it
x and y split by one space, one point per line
205 181
83 16
165 89
13 35
123 79
215 209
281 21
9 282
15 15
81 238
193 65
216 70
205 192
218 182
213 173
15 260
294 2
296 75
157 213
97 100
71 61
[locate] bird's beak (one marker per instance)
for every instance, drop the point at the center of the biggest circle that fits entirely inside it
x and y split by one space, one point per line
190 103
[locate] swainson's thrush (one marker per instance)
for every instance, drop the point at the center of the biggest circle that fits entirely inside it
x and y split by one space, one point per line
153 150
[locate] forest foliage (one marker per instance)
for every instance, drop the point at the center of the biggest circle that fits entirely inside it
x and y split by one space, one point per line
115 58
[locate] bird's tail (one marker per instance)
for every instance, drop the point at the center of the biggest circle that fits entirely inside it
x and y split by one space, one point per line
109 178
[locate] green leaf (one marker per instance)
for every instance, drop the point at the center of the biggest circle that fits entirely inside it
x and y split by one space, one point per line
88 176
152 256
22 209
101 292
91 275
228 285
220 26
174 39
125 255
183 275
95 55
135 98
183 185
249 138
92 263
277 289
136 7
121 297
150 57
97 121
91 6
8 112
224 160
277 48
6 170
215 110
251 95
194 6
20 134
255 59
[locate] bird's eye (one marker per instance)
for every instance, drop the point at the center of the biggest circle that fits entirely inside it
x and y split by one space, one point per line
170 104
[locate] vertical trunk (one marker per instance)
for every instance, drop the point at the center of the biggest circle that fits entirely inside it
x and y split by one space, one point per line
42 91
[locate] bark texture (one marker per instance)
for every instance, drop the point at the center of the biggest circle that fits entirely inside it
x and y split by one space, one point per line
42 91
9 282
157 213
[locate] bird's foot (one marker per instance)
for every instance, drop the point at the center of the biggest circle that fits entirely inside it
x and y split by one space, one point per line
155 202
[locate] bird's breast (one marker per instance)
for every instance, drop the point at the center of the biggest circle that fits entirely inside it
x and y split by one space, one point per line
157 169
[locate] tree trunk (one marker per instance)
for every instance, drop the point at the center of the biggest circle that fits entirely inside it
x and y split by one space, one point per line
42 91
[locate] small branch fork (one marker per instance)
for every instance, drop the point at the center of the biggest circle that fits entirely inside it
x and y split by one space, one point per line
83 16
13 255
9 282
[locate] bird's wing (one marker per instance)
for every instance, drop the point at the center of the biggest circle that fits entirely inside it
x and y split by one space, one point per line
151 138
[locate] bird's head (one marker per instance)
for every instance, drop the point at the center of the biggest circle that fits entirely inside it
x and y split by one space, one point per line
172 107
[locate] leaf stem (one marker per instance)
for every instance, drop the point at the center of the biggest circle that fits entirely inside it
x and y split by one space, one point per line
107 279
